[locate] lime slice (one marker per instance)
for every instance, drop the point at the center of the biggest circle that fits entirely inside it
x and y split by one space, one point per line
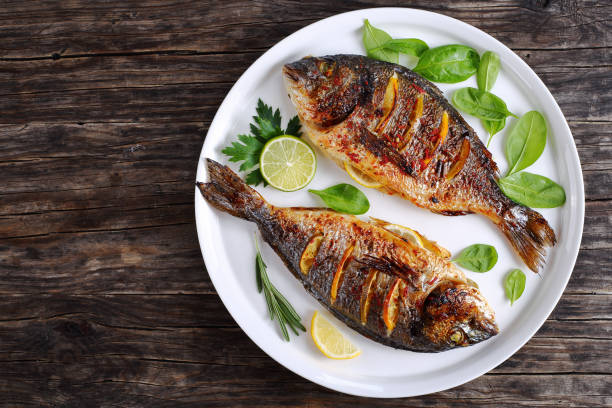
287 163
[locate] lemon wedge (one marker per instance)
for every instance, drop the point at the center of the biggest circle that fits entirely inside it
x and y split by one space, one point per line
329 340
361 177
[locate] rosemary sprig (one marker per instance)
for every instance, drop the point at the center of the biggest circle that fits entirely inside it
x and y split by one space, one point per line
278 306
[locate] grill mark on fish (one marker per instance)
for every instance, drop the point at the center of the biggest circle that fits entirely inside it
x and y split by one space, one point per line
339 274
373 262
402 152
366 295
382 150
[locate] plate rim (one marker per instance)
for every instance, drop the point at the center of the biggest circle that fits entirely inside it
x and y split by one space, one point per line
543 313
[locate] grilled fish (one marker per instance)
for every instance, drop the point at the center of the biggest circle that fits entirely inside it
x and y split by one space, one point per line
384 286
397 128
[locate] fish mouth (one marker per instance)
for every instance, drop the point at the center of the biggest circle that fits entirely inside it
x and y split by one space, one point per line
483 330
290 73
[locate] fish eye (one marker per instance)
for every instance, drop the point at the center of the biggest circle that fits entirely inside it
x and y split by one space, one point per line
457 336
325 68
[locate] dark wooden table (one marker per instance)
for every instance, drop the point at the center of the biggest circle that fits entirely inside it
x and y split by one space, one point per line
105 300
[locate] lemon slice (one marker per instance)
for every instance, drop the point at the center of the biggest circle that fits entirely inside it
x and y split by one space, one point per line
329 340
407 233
287 163
416 238
361 177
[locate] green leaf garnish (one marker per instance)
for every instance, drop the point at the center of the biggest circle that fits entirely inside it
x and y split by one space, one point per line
488 71
247 152
248 148
483 105
408 46
293 127
493 127
344 198
526 141
373 40
448 64
532 190
477 258
279 307
514 285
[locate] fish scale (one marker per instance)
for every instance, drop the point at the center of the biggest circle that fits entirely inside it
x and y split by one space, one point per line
372 279
356 110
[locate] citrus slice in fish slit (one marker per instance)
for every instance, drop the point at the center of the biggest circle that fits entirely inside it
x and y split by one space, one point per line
339 272
348 300
390 307
360 177
366 295
415 116
309 253
440 136
415 237
379 290
389 102
460 160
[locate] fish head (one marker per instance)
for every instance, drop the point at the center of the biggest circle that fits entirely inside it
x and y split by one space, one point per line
324 90
457 315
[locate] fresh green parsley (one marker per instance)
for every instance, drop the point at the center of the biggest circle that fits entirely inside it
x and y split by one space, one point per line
265 126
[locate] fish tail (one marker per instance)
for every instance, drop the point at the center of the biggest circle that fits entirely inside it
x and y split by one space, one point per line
529 234
227 192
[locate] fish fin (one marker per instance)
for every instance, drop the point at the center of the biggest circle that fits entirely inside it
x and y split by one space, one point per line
388 265
450 213
529 234
227 192
428 244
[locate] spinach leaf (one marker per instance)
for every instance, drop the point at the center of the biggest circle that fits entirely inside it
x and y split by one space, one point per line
477 258
344 198
526 141
409 46
514 285
488 71
493 127
532 190
448 64
373 40
482 104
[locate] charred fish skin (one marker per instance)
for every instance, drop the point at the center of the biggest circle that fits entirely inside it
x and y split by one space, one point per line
399 129
384 287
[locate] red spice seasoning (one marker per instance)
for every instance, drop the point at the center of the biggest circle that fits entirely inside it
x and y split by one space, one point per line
418 88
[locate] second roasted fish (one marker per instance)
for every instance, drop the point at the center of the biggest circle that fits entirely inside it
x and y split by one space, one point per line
384 286
397 128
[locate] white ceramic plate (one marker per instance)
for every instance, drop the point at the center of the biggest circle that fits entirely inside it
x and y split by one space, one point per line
380 371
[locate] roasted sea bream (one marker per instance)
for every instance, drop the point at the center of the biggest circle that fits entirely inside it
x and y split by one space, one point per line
396 128
386 287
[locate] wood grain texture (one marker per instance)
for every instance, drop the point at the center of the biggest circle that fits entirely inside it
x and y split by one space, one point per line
105 300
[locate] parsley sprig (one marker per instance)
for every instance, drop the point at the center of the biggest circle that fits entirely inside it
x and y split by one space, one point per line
278 306
265 126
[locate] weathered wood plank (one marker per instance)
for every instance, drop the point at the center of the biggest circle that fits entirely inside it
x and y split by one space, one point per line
169 259
275 386
168 340
182 88
77 27
149 260
98 160
114 185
